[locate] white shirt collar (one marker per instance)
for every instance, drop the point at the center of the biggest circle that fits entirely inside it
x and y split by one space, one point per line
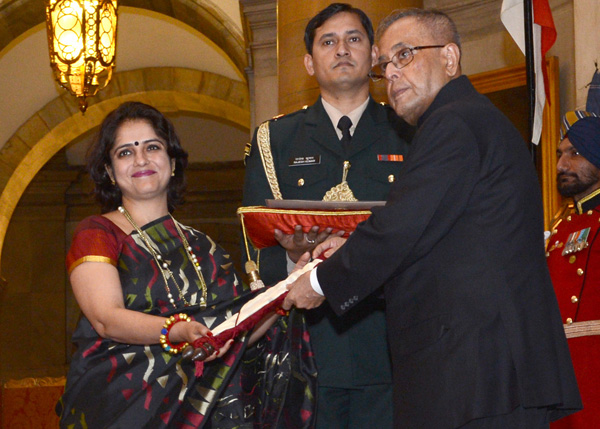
335 115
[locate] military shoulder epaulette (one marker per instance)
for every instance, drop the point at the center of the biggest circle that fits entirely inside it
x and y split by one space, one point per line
265 127
562 213
247 151
289 115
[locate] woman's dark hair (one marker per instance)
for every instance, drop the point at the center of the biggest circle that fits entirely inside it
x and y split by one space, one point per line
98 156
331 10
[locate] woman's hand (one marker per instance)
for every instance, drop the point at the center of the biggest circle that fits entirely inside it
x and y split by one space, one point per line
187 331
190 332
222 351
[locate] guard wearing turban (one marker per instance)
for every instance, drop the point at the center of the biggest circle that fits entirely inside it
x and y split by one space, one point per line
573 255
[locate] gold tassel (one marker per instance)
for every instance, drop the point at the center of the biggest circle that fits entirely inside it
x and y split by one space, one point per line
250 266
252 271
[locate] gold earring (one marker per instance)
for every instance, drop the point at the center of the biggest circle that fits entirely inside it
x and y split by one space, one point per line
173 171
110 176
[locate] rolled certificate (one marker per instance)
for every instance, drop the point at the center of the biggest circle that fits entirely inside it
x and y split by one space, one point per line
249 315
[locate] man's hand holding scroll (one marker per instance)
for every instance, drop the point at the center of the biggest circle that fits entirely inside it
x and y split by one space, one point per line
305 292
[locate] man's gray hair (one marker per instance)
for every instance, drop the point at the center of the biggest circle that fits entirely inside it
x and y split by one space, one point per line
441 27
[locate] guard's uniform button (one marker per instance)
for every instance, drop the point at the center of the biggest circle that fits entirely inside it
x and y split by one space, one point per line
300 182
574 299
579 271
569 320
391 178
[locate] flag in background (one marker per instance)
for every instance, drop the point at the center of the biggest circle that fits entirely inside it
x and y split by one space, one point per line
544 36
593 97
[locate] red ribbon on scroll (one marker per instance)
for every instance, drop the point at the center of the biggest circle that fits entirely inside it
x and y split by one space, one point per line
249 315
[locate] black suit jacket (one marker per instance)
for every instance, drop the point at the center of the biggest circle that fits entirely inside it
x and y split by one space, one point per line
473 323
350 351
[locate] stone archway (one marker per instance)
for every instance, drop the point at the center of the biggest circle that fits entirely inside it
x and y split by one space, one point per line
59 122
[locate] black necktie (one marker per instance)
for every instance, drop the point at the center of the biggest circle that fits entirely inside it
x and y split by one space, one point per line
344 125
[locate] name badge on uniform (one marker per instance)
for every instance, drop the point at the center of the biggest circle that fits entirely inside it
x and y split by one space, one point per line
390 157
576 242
304 160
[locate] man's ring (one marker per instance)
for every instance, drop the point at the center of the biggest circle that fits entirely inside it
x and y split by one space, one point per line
309 241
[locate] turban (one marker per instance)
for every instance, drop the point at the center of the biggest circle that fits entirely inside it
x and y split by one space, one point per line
584 135
570 118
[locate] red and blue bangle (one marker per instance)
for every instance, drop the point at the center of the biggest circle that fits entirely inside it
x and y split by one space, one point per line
168 347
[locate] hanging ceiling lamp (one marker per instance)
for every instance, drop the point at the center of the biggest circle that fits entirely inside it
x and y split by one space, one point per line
82 38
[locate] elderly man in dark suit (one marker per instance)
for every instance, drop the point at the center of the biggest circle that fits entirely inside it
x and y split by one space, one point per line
310 150
473 323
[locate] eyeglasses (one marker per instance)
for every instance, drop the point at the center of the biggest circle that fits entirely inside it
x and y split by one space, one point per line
401 59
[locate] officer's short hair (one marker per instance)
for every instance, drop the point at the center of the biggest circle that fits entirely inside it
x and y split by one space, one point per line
333 9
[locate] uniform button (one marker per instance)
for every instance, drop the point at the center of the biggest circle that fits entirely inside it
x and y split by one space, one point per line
574 299
569 320
568 218
554 231
572 259
547 254
300 182
590 212
391 178
579 271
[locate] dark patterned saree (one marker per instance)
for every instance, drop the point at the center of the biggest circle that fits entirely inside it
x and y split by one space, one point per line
116 385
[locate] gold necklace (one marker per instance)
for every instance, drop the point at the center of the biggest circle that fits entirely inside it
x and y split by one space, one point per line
194 261
163 264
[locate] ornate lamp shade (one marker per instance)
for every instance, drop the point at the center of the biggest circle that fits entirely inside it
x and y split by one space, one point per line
82 43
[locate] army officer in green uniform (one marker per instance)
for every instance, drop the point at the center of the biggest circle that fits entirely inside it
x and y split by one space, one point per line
344 135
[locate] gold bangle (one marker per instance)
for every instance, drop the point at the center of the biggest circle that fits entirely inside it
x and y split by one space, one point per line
168 347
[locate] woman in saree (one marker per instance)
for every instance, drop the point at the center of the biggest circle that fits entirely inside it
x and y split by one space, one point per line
148 287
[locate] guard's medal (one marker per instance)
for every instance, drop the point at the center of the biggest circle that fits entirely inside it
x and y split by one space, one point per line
576 242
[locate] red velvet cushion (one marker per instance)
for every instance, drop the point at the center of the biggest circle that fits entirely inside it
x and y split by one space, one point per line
260 222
